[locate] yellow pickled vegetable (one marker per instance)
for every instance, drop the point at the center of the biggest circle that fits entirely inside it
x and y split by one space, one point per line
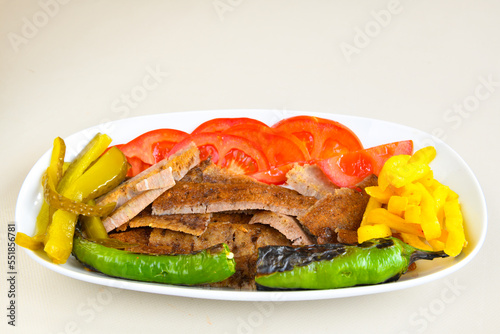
368 232
411 202
454 225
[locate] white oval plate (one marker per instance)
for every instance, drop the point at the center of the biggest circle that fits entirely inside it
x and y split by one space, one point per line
448 168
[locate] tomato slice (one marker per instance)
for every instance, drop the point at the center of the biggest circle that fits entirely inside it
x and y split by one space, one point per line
323 138
348 169
221 124
235 153
153 146
136 166
274 175
280 148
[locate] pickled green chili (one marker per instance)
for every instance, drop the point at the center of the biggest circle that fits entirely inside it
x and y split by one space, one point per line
335 265
211 265
58 201
83 160
92 225
55 170
107 171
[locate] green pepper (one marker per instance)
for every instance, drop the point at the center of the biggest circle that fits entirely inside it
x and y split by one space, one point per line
333 266
211 265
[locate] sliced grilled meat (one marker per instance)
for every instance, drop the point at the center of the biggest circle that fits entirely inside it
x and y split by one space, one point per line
309 180
342 210
288 226
216 197
194 224
178 164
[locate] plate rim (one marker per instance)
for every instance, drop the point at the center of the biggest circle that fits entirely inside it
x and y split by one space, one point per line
236 295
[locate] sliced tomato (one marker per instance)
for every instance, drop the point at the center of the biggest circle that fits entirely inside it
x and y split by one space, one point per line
136 166
221 124
280 148
274 175
153 146
348 169
323 138
235 153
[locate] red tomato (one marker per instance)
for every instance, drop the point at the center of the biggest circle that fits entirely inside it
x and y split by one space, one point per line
153 146
235 153
221 124
323 138
274 175
348 169
280 148
136 166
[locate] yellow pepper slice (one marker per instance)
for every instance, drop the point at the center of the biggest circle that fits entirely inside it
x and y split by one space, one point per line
454 225
429 221
415 241
397 205
382 216
423 156
367 232
373 203
380 195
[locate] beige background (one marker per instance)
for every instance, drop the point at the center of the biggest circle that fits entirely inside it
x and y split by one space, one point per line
68 65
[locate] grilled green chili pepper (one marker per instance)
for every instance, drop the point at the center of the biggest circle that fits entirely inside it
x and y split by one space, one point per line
211 265
333 266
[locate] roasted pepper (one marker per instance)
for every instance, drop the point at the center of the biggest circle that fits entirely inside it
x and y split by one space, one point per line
333 266
212 265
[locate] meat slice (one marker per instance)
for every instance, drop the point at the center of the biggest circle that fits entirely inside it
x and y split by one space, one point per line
288 226
309 180
216 197
162 179
131 200
214 174
162 175
131 209
342 210
346 236
194 224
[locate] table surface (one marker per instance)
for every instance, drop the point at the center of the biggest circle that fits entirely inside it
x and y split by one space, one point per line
69 65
